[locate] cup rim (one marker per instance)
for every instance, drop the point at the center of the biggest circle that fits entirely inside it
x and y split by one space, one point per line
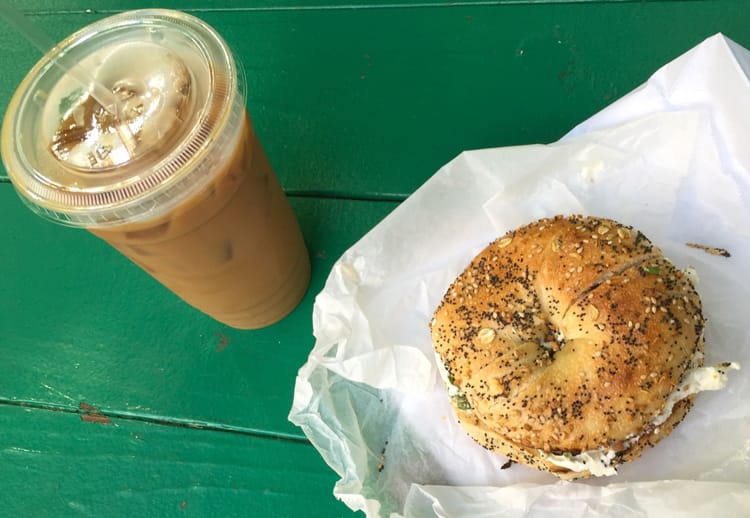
141 193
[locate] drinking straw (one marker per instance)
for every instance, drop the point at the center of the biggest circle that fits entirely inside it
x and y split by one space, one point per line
39 39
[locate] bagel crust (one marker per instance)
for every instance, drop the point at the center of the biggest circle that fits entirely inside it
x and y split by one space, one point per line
565 338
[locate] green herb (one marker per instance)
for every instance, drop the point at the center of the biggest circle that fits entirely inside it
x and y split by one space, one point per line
652 270
461 402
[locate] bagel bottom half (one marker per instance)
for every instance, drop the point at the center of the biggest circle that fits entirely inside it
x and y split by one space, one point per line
564 342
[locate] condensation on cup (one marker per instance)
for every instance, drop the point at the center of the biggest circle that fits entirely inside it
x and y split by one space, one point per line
174 176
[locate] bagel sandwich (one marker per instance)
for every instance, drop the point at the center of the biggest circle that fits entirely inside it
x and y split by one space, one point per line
572 344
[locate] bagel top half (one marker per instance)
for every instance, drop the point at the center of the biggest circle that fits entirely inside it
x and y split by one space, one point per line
568 335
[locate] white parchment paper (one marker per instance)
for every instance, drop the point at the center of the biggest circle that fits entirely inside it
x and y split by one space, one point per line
671 158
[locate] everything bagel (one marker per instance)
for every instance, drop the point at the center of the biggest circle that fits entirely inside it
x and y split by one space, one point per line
564 342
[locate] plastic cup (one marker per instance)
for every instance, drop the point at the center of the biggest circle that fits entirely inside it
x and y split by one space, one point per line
178 181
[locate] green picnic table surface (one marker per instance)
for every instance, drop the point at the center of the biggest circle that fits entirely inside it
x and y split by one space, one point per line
118 399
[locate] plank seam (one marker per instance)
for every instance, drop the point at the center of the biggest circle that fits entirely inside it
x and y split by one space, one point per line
355 7
88 413
378 197
330 195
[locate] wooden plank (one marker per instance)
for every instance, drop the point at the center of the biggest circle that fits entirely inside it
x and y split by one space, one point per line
56 464
106 6
81 324
370 102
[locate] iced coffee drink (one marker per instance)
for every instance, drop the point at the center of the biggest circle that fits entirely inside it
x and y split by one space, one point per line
173 175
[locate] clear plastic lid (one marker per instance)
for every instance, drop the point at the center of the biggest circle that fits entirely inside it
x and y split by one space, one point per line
180 106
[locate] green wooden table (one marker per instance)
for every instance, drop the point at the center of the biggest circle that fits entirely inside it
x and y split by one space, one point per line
117 399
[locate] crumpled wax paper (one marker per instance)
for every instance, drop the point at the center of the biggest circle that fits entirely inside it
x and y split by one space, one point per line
672 158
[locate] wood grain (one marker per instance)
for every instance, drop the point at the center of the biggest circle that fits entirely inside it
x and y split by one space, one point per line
55 464
371 102
83 324
116 398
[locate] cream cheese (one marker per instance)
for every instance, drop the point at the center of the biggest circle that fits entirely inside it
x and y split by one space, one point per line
453 390
596 462
599 462
693 381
